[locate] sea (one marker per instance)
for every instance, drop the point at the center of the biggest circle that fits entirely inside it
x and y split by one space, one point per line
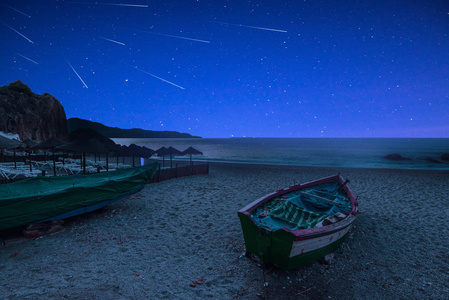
323 152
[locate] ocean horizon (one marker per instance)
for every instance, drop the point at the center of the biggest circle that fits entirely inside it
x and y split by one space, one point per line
423 153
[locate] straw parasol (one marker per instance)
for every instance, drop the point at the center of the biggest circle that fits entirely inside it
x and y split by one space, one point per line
140 151
88 145
95 137
191 151
51 144
161 152
134 150
172 152
28 144
6 143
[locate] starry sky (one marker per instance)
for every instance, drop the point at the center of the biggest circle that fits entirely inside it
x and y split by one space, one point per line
237 68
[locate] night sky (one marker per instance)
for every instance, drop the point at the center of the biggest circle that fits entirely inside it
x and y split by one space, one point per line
237 68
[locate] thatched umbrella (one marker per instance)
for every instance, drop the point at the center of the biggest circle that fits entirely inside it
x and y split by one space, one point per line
123 151
135 150
128 152
51 143
147 152
173 152
191 151
85 146
96 137
6 143
161 152
30 143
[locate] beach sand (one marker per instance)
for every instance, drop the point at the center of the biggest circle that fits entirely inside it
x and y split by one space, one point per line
154 244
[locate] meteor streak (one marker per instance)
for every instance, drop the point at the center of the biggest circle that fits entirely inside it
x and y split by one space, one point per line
77 74
114 4
18 33
254 27
179 37
27 58
17 10
162 79
131 5
112 41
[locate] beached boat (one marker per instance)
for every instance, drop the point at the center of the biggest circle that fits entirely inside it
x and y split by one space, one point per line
42 198
299 224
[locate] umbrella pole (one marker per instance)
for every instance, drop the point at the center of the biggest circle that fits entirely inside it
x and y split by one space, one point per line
54 164
107 162
117 161
15 165
84 162
171 163
133 162
29 158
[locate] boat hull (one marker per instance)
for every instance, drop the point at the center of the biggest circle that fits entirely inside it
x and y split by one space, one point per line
290 249
43 199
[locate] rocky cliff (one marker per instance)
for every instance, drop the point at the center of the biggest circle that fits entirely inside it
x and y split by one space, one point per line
31 116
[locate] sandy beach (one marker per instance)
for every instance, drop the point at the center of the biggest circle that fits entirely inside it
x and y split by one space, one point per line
154 244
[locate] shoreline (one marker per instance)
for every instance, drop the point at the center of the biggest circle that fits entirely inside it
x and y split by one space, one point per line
325 152
300 166
155 243
248 164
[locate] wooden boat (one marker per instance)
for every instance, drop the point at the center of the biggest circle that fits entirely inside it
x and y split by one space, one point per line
299 224
42 198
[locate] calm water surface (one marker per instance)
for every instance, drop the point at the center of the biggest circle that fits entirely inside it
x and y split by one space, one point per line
344 152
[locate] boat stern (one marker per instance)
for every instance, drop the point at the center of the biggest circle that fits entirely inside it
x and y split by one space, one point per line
272 247
284 249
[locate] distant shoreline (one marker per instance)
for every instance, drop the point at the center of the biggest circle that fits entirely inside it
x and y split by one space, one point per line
290 166
262 165
420 154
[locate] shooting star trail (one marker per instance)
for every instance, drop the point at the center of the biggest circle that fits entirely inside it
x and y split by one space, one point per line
130 5
77 75
18 32
254 27
113 4
27 58
112 41
162 79
20 12
179 37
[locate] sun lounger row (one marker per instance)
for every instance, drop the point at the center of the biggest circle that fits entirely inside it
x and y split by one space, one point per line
10 174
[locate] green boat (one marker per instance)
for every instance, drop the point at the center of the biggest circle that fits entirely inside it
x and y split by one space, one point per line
299 224
43 198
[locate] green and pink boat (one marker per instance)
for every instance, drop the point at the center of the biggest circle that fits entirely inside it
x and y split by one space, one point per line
300 224
42 199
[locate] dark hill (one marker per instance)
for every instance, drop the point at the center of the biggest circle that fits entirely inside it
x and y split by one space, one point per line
115 132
